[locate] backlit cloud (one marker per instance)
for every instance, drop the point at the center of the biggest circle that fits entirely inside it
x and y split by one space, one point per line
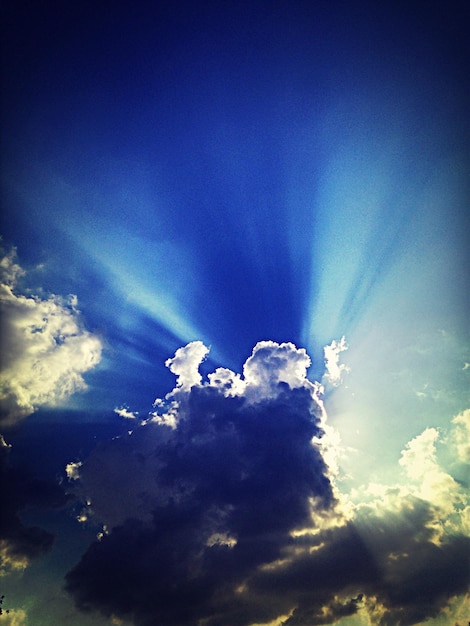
433 484
334 370
220 508
185 364
45 347
14 617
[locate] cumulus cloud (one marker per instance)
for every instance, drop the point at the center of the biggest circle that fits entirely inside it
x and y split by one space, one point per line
220 508
334 369
45 347
432 483
271 365
212 498
185 364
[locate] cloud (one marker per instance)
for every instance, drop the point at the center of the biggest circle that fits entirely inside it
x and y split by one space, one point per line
124 412
185 364
72 470
14 617
220 508
334 370
432 483
45 347
212 498
19 544
461 436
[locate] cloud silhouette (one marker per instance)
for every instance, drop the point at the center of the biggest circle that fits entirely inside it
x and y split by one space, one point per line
220 508
20 544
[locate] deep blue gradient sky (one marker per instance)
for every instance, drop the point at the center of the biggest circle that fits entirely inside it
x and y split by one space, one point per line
234 172
234 152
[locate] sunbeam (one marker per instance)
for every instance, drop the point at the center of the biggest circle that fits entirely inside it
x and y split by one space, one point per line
235 370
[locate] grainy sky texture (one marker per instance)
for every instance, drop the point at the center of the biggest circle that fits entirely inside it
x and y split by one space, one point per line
235 340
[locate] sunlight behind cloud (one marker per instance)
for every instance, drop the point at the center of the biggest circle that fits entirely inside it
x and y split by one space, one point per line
386 269
353 225
241 479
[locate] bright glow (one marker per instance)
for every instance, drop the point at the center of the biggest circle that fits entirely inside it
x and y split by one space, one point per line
45 348
155 276
234 175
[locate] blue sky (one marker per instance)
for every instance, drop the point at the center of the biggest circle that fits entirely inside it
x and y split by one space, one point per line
235 173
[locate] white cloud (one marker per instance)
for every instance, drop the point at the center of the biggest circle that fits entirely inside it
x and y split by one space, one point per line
10 270
334 370
124 412
271 364
185 364
227 381
461 436
432 482
45 347
270 367
428 481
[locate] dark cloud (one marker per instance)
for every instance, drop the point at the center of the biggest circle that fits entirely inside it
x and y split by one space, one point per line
221 510
19 544
395 560
232 480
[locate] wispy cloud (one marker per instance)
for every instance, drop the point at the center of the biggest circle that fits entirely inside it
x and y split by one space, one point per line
229 511
45 347
124 412
462 436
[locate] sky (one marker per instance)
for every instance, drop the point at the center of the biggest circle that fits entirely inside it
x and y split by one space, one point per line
234 295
